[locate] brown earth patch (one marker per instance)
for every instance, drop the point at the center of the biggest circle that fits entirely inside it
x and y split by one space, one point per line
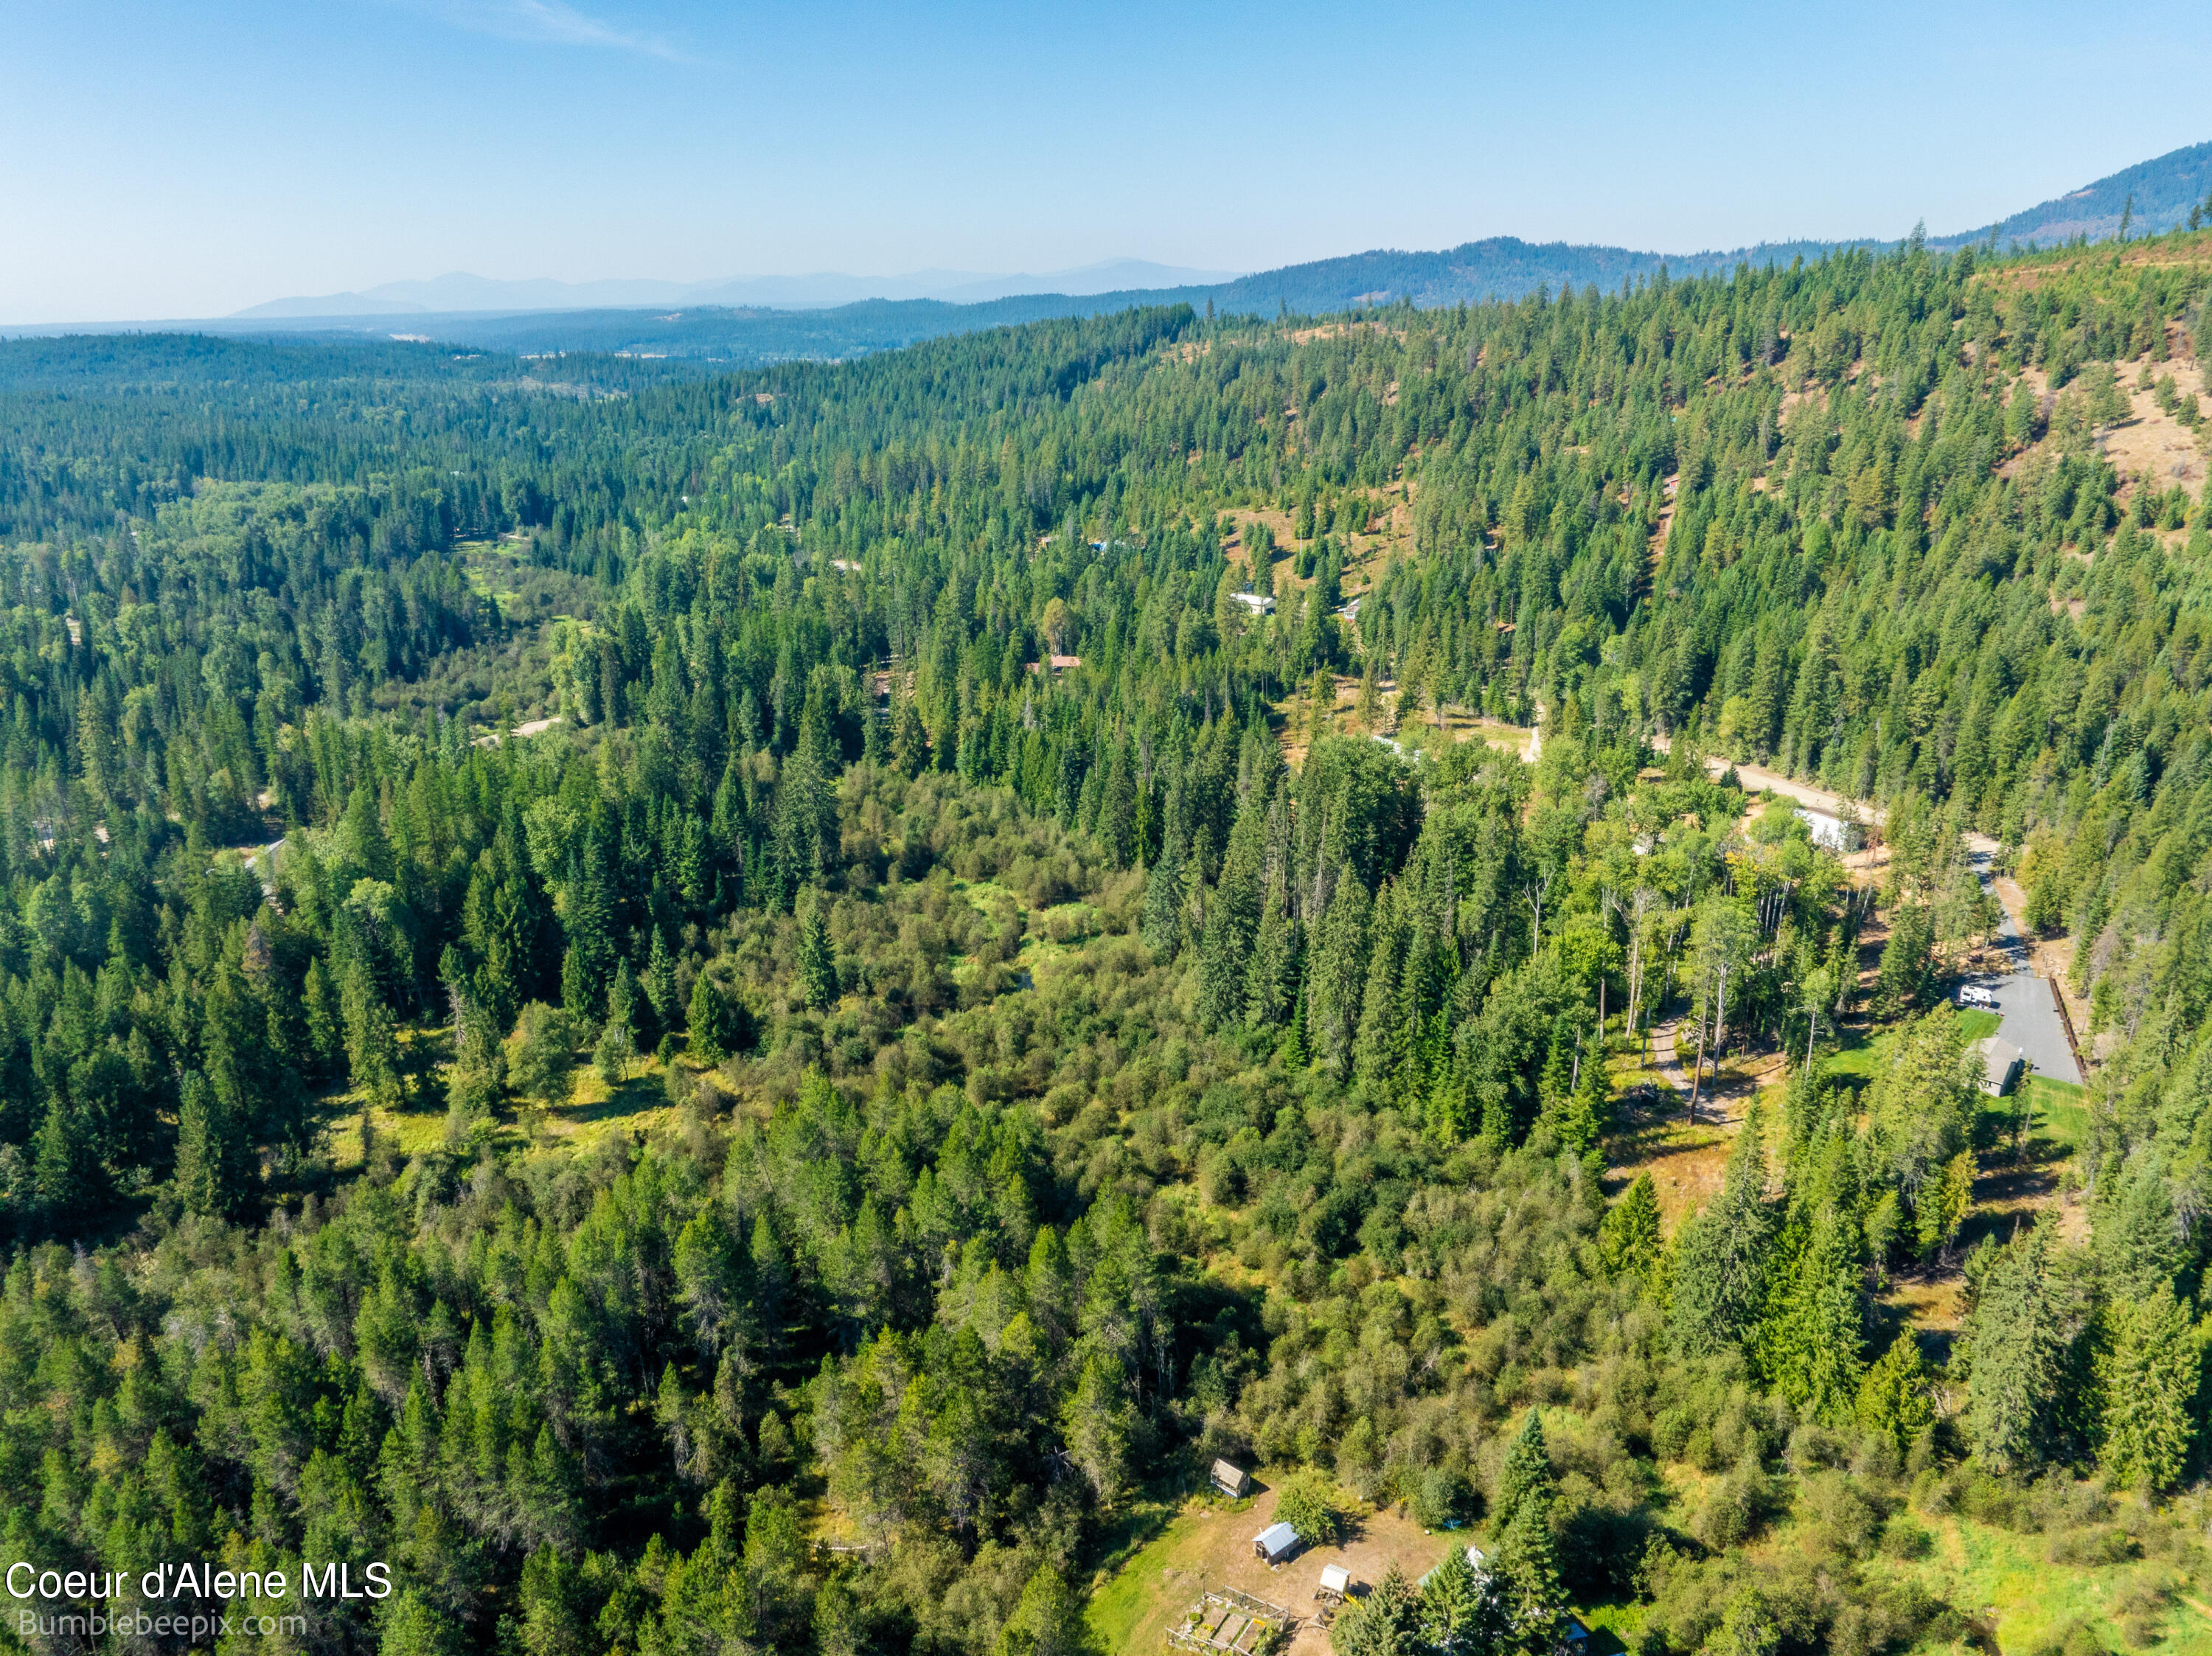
1216 1551
1665 523
2155 444
2150 443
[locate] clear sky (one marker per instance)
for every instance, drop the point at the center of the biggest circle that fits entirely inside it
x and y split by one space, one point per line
169 158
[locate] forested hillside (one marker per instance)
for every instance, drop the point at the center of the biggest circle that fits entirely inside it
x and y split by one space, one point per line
1037 1037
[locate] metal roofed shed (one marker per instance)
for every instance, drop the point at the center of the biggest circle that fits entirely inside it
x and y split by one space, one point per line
1231 1480
1275 1543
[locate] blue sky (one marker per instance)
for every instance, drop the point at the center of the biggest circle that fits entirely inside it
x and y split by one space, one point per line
165 160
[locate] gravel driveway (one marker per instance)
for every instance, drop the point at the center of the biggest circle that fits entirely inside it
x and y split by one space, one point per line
2028 1003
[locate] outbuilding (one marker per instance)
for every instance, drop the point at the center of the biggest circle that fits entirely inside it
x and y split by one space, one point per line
1275 1543
2000 1064
1231 1480
1335 1583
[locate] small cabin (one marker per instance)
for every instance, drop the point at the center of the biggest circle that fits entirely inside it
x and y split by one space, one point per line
1335 1584
1259 604
1232 1481
1275 1544
2000 1064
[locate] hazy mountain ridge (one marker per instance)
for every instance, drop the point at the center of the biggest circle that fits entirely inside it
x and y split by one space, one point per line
458 293
749 321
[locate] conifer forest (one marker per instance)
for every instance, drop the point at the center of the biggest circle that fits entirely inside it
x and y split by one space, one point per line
724 1012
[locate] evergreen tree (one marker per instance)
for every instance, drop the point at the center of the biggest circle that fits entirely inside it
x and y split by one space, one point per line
660 985
806 800
1097 1422
413 1627
211 1172
1901 982
1164 890
587 923
1810 1348
1118 808
909 744
1894 1397
1386 1622
1460 1612
2019 1339
1717 1280
1526 1569
1232 920
712 1022
372 1046
1944 1205
319 1009
2148 1372
474 1084
817 965
1629 1239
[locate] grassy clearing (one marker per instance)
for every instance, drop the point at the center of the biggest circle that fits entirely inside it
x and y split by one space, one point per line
2031 1601
1975 1023
595 1108
2059 1109
1132 1590
490 572
1860 1058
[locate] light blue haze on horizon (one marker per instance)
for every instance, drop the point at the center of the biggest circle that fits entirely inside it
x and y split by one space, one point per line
188 159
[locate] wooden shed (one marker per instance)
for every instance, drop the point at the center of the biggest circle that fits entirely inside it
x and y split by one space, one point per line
1275 1543
1335 1583
1232 1481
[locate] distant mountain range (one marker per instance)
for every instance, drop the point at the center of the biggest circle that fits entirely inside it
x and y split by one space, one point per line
2162 191
460 294
748 321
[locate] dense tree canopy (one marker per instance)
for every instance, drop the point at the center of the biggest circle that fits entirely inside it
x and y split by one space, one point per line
1083 1044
